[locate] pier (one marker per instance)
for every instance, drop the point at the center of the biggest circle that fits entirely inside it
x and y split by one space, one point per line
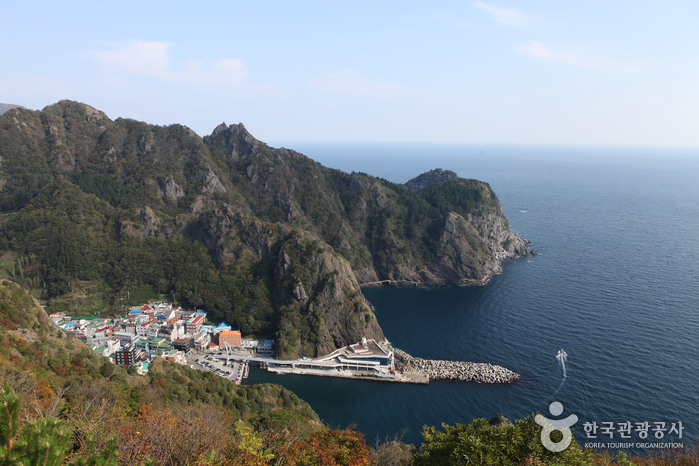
366 360
350 374
369 360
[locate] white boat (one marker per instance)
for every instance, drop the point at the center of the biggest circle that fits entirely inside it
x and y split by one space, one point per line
562 355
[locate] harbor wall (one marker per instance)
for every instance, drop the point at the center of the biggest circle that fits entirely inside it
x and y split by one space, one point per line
437 369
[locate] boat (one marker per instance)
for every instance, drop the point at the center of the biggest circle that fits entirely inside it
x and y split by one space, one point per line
562 355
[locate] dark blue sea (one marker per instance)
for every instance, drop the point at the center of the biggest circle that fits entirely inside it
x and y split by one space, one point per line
616 285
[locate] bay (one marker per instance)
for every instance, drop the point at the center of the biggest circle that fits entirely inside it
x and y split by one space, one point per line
615 285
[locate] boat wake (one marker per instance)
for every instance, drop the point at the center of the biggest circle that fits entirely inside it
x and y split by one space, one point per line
562 356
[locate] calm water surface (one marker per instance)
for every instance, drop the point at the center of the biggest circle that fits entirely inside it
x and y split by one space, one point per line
616 285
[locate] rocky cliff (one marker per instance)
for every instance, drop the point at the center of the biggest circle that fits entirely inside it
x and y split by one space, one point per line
265 238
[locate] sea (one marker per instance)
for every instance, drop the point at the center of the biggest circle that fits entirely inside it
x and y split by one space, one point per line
615 284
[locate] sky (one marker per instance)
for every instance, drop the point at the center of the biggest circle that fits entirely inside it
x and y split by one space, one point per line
600 72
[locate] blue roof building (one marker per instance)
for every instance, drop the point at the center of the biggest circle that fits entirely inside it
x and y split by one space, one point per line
222 327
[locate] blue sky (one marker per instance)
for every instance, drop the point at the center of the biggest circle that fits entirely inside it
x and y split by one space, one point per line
571 72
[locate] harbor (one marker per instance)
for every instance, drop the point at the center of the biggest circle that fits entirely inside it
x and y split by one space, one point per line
365 360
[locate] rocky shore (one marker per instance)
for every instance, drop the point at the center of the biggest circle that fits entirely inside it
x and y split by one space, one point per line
454 370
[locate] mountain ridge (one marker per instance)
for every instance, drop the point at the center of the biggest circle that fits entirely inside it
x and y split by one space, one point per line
265 238
5 107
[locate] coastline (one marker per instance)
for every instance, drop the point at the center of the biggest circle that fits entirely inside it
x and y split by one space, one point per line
440 282
438 369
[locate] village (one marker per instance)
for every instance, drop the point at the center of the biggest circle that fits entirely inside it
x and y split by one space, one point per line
165 330
184 337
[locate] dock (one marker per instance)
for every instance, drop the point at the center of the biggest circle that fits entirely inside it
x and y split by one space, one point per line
416 378
366 360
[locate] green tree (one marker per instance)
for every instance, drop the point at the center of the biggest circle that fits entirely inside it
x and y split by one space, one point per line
107 369
9 418
497 442
44 441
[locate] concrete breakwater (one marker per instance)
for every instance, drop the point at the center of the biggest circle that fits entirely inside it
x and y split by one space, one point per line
454 370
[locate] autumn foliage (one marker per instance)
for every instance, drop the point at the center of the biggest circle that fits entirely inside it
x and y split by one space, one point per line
331 447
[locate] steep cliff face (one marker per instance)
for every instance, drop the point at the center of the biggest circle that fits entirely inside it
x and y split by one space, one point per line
320 304
472 250
265 238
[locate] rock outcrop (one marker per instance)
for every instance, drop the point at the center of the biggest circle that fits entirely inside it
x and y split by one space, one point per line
429 178
320 303
171 189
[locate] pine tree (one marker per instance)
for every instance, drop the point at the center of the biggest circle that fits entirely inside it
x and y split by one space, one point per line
43 441
9 419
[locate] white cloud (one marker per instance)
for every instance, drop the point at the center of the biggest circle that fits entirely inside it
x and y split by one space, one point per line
500 15
353 84
153 59
135 57
537 49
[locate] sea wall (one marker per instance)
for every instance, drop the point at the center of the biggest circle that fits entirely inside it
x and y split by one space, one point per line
454 370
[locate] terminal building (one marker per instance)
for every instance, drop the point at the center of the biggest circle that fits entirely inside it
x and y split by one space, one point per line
367 357
364 356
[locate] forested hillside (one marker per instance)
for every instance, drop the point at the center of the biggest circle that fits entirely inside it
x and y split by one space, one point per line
89 411
96 214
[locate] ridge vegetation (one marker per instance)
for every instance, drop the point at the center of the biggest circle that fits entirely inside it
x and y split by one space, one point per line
98 214
86 410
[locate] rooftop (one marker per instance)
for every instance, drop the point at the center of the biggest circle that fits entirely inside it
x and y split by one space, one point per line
366 349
